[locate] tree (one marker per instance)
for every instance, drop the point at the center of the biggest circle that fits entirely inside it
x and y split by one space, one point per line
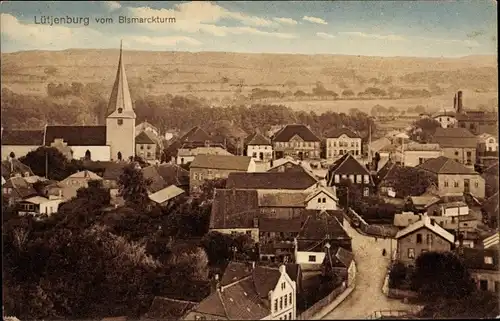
348 192
441 275
419 109
348 93
218 247
378 110
12 155
49 158
133 187
409 181
423 129
51 70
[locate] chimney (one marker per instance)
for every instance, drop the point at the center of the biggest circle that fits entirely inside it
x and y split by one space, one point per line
459 102
455 102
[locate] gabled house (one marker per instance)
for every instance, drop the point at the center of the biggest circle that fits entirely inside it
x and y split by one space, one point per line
217 166
341 262
173 174
457 143
265 293
420 204
145 146
195 137
187 155
342 141
235 211
279 182
259 147
322 198
416 153
422 236
454 177
37 205
68 187
447 119
152 174
297 141
347 167
484 267
16 189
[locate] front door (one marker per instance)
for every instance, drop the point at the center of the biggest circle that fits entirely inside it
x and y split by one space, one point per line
466 185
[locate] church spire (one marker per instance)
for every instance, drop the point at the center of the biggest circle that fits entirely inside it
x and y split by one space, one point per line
120 102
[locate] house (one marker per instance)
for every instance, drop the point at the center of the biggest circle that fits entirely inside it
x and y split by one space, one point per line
163 308
173 174
347 167
448 209
486 143
259 147
454 177
490 211
342 264
287 181
20 142
13 167
152 174
383 146
422 236
217 166
477 121
341 141
16 189
265 293
484 268
446 119
322 198
297 141
457 143
194 138
416 153
467 223
68 187
145 147
187 155
235 211
276 238
163 196
319 231
37 205
152 131
289 165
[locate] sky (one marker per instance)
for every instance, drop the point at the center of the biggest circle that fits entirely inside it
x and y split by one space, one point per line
367 28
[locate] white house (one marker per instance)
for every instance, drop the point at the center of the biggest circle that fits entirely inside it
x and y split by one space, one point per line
342 141
187 155
323 198
416 153
446 119
486 143
259 147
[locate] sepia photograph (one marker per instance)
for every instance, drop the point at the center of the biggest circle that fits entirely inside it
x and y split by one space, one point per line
249 160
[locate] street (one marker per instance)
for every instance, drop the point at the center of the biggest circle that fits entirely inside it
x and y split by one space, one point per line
367 297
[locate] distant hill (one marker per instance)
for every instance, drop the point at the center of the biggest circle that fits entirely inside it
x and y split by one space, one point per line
218 74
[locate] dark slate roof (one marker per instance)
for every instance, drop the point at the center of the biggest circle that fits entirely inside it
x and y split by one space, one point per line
343 258
22 137
228 162
168 309
77 135
234 209
280 225
386 171
173 174
337 132
14 166
269 180
454 137
445 165
235 271
322 226
285 134
196 134
143 138
347 165
113 170
157 181
475 259
257 139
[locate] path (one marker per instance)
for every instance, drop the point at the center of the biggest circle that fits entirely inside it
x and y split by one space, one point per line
367 297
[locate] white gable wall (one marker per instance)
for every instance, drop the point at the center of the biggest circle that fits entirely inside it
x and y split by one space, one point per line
316 203
97 153
284 287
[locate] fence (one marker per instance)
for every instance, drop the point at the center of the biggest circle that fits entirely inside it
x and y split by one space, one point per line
318 306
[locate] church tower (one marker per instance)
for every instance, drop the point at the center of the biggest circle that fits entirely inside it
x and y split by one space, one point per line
120 117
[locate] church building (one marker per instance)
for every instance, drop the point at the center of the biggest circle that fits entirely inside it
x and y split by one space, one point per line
113 141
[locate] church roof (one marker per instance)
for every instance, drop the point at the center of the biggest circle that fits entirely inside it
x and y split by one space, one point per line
120 95
77 135
22 137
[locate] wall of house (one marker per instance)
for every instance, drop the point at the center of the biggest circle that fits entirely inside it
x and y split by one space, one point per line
254 232
490 276
50 207
255 152
466 156
198 175
408 242
302 257
438 210
292 148
63 192
336 147
18 150
415 158
450 183
184 159
252 167
321 202
121 138
146 151
446 121
284 290
97 153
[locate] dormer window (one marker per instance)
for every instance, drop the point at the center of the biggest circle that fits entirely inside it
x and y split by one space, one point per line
488 260
120 121
120 110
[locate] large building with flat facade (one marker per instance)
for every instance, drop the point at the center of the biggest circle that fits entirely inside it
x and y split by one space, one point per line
113 141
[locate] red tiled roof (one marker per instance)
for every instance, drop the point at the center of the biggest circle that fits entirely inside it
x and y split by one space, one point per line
285 134
22 137
280 225
475 259
444 165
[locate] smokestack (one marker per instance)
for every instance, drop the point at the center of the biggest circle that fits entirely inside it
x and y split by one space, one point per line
455 102
459 101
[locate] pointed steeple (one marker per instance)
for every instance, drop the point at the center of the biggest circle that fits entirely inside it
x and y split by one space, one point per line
120 102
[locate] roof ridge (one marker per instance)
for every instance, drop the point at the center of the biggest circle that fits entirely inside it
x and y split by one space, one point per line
219 295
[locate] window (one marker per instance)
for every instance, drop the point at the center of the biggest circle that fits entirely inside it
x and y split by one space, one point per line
290 298
351 178
366 179
276 305
352 144
148 146
430 238
286 301
334 144
324 199
249 233
421 160
456 153
148 154
488 260
359 179
476 184
483 285
469 154
497 286
366 191
419 238
319 199
284 317
312 258
337 178
281 303
119 121
141 147
455 184
290 315
445 183
411 253
120 110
